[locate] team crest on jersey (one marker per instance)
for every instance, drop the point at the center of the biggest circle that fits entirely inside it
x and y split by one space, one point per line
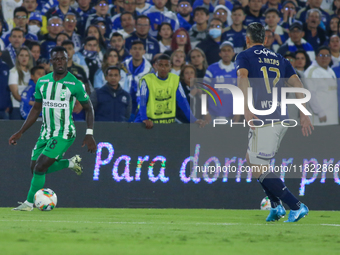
63 94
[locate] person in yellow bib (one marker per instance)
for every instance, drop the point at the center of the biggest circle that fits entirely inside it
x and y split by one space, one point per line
160 93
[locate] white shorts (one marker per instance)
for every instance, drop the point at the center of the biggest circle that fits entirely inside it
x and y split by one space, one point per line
264 142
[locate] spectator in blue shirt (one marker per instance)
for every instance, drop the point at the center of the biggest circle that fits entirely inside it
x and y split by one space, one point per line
184 10
102 7
27 96
211 4
85 9
142 6
117 42
5 94
253 12
288 12
314 34
272 20
55 26
129 6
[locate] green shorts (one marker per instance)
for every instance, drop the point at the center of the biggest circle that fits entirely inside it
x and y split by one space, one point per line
55 147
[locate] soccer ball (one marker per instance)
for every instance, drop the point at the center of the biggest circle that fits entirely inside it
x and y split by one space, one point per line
265 204
45 199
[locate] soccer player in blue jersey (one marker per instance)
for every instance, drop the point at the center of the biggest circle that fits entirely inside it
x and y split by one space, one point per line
262 69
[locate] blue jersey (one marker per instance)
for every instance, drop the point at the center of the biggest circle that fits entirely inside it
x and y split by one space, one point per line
266 69
218 73
237 38
26 96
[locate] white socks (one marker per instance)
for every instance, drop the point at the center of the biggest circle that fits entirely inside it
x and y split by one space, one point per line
28 203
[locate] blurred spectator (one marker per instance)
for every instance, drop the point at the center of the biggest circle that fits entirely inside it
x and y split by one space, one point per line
16 41
45 63
19 77
159 14
335 6
8 7
110 59
333 28
93 31
314 4
210 46
321 82
171 5
70 23
142 34
222 72
61 37
102 8
153 63
211 4
276 4
180 40
2 45
334 46
118 42
193 94
184 17
253 12
272 19
128 24
20 21
27 96
30 5
55 26
315 35
177 61
35 50
135 68
128 6
198 60
91 53
74 68
142 6
5 93
116 7
288 13
236 33
85 9
290 56
111 102
34 24
296 42
159 95
302 62
270 39
164 36
60 11
47 4
199 31
100 24
222 13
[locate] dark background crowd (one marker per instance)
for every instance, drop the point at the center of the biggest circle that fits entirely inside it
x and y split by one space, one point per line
202 39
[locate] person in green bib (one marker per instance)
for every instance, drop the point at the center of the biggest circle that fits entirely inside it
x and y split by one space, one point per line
159 95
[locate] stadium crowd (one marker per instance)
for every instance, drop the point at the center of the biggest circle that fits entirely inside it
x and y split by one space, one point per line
111 45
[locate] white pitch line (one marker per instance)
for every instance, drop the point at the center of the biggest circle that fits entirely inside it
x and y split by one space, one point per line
333 225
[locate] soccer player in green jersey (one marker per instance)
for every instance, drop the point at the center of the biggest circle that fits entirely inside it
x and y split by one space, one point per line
55 95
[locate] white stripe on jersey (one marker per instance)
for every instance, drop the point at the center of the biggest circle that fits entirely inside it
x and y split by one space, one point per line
57 111
43 115
182 91
67 115
47 110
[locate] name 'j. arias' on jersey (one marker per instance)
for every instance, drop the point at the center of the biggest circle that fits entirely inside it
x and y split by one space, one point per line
266 69
58 99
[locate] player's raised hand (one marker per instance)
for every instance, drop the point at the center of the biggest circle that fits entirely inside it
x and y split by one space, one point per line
306 125
249 116
90 143
14 138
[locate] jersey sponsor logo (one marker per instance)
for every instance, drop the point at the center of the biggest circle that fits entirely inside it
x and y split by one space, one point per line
44 80
55 104
69 82
265 51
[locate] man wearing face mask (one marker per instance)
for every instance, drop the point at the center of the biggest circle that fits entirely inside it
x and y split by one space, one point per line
211 44
35 23
21 21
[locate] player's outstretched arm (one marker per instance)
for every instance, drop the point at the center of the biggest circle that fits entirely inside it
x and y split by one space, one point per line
31 119
306 125
89 140
243 83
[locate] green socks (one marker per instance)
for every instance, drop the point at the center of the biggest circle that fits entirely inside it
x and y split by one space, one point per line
58 165
38 182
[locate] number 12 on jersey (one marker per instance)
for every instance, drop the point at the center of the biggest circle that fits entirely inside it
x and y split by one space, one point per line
266 78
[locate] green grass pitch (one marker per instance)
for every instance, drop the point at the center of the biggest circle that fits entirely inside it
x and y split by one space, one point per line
165 231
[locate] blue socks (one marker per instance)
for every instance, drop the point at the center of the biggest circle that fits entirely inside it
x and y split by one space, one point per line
276 189
274 201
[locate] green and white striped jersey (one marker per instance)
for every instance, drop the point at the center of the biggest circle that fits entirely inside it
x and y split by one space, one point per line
58 99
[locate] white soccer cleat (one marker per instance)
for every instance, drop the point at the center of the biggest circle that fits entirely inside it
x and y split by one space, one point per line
77 168
23 207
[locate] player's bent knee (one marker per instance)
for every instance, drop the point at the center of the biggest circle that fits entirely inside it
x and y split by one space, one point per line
32 166
40 168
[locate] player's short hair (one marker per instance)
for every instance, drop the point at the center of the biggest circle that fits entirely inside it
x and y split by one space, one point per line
135 42
20 9
125 13
18 29
236 8
36 68
201 9
67 42
322 48
163 57
256 32
270 10
143 17
112 68
90 38
116 34
57 49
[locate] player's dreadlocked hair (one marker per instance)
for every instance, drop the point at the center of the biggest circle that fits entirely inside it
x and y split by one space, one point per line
256 32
